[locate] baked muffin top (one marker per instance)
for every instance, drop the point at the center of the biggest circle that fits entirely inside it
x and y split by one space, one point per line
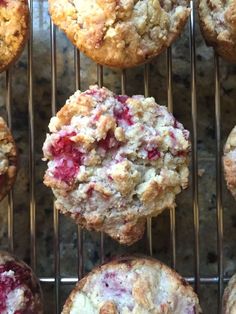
14 27
229 298
19 289
115 160
132 286
121 33
229 162
218 25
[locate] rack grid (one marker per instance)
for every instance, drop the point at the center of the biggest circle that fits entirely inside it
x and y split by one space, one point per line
56 278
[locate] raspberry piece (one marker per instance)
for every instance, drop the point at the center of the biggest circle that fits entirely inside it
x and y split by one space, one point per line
122 98
67 158
90 190
63 145
123 114
96 117
108 142
92 92
3 3
114 285
66 170
21 276
153 154
96 93
172 135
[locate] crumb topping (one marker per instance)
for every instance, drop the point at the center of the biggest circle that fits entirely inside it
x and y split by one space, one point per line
14 19
132 289
229 162
218 23
19 292
229 300
120 33
116 156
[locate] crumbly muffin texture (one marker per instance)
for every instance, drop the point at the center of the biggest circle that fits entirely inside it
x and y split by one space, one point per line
8 159
218 25
120 33
132 286
229 162
229 298
115 160
19 289
14 24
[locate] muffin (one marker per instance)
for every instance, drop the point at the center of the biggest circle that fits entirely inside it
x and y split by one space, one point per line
218 26
132 285
115 160
120 33
229 298
8 159
229 162
19 289
14 25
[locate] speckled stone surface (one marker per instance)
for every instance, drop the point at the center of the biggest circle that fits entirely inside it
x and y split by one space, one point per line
161 227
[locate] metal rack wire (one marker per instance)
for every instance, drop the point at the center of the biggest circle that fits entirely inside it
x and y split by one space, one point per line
196 279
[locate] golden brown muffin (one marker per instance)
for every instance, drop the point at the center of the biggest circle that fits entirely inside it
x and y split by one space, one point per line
115 160
229 298
14 26
229 162
218 26
132 286
20 291
8 159
120 33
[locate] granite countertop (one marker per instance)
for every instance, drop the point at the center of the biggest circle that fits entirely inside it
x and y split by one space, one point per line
182 111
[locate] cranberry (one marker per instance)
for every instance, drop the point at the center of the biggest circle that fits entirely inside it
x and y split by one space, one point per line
153 154
67 158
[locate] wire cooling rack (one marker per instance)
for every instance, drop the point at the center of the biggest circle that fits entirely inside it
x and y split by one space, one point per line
56 279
